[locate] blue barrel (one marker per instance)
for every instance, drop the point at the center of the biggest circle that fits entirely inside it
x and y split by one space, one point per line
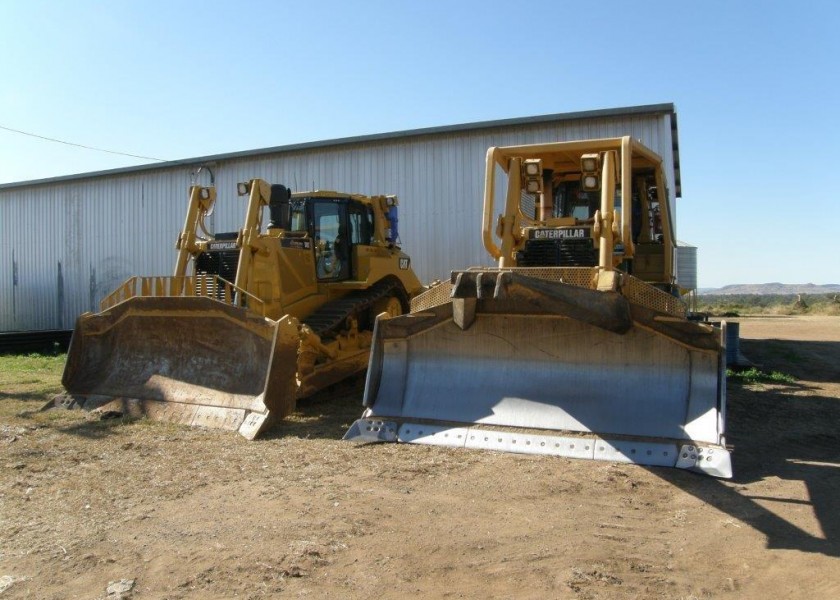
733 342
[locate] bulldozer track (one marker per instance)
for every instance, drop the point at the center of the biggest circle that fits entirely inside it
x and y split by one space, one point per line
328 320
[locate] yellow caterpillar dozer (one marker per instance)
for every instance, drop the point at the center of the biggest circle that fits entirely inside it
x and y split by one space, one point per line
264 316
577 344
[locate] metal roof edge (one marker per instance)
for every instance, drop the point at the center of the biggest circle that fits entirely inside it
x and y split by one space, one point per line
646 109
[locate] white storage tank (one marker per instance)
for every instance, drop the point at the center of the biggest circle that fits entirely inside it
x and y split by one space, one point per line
686 266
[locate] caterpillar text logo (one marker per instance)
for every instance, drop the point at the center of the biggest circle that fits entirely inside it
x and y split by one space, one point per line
231 245
575 233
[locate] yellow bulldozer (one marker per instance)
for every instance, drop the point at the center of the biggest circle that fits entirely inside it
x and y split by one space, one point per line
252 320
577 344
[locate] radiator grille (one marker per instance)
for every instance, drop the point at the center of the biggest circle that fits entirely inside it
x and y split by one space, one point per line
218 262
557 253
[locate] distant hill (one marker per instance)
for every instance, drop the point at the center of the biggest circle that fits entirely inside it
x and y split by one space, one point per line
771 288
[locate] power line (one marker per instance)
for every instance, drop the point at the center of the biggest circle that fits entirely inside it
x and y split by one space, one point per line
49 139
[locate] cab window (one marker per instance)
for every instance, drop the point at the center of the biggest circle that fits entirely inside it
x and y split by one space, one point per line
297 221
327 220
361 224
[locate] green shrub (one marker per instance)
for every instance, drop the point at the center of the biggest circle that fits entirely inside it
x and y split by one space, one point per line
753 375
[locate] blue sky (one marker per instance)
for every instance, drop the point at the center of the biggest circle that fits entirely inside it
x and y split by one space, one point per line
756 86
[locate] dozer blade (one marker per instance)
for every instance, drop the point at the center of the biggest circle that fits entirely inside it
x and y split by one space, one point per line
188 360
539 367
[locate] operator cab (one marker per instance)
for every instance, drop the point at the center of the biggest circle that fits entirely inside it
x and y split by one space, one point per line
336 226
570 201
562 233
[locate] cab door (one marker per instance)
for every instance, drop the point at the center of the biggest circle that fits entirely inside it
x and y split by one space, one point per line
296 257
333 255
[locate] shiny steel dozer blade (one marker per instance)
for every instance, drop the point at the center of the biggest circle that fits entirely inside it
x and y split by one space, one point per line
519 364
188 360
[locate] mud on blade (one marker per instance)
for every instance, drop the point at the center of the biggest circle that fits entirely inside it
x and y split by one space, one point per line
187 360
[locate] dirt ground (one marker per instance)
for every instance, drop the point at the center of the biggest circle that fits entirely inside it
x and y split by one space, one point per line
205 514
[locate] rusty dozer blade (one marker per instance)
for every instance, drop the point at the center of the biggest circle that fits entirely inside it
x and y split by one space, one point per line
525 365
189 360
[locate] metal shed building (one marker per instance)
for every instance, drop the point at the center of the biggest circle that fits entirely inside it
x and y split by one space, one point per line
68 241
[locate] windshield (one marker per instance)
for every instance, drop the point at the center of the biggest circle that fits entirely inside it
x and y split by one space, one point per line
571 201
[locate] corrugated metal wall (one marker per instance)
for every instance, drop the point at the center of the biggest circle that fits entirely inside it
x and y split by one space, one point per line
67 244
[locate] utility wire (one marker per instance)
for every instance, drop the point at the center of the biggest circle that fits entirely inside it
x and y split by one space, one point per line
49 139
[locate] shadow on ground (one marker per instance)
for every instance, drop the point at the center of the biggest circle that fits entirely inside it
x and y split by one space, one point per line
781 431
325 415
811 361
40 397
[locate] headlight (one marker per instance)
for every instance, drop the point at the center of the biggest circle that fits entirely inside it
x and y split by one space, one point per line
590 163
532 167
590 183
204 193
532 174
243 188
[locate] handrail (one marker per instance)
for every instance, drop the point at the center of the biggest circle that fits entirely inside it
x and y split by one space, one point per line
203 286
